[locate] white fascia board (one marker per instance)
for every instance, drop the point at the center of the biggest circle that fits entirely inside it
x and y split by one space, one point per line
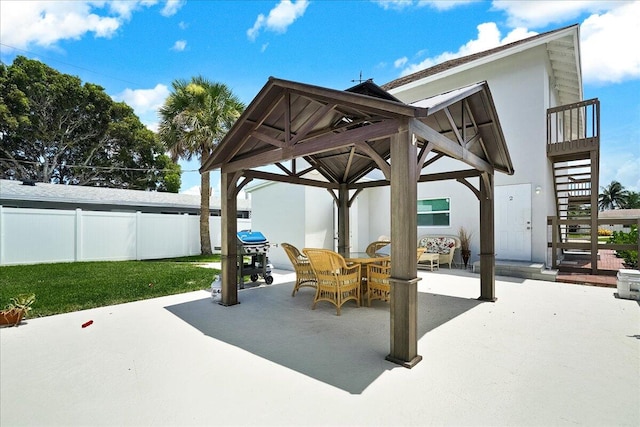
490 58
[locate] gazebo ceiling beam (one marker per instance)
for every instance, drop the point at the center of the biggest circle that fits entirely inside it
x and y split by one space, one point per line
422 156
327 142
284 169
311 122
347 126
470 186
268 139
348 167
442 176
476 127
270 176
254 125
449 147
453 125
432 160
322 170
384 167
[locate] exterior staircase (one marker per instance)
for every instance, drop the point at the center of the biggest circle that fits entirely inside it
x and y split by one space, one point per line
573 147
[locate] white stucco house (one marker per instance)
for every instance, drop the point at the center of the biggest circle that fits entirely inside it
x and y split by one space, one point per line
527 79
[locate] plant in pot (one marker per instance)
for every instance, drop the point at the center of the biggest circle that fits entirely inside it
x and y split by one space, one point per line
465 244
16 310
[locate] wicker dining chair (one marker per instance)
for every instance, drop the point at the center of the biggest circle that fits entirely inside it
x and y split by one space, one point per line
374 247
337 282
305 277
378 287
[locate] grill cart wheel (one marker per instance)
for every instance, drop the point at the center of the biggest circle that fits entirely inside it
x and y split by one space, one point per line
254 277
268 280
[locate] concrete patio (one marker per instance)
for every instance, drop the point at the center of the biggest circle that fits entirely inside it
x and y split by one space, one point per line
544 354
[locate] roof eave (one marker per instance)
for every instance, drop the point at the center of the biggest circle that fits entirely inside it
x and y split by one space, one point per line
572 30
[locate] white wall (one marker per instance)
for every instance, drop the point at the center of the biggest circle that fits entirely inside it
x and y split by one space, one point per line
280 218
301 216
31 236
519 85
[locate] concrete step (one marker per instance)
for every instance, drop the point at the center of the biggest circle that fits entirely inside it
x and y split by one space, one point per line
521 269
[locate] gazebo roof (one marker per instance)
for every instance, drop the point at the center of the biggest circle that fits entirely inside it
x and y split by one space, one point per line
345 135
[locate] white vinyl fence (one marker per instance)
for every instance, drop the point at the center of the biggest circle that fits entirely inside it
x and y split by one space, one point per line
32 236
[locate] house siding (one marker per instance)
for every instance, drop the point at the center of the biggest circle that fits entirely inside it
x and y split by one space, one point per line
521 92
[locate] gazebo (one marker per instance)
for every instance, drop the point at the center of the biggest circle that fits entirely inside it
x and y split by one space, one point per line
345 136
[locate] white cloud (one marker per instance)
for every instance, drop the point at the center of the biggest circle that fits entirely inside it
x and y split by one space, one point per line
400 62
179 45
279 19
623 167
541 13
610 52
435 4
145 103
45 23
194 191
171 7
488 37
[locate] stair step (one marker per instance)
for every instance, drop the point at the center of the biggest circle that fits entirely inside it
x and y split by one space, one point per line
569 167
521 269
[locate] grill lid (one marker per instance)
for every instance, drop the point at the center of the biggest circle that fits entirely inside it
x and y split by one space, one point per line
251 237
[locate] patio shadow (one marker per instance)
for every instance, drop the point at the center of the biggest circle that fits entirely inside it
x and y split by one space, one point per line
344 351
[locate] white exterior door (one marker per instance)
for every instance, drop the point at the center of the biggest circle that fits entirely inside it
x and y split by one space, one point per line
513 222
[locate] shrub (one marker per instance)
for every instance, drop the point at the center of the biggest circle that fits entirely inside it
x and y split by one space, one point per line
620 237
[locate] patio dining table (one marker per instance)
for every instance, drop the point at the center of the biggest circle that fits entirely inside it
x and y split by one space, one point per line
363 259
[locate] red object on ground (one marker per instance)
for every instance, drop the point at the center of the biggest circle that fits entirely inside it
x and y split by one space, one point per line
84 325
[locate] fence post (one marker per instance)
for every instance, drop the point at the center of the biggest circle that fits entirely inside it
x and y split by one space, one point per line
138 233
185 234
77 253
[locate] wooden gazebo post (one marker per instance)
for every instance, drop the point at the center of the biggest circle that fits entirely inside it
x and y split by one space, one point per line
229 256
343 220
404 230
487 239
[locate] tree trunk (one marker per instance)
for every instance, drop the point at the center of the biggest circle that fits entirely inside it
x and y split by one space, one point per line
205 193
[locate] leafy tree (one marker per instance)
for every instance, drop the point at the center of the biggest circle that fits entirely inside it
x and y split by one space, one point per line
55 129
613 196
193 120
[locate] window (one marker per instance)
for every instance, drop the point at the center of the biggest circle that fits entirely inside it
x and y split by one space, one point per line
434 212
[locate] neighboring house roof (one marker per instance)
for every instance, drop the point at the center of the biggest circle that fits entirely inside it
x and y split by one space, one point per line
14 193
619 214
564 56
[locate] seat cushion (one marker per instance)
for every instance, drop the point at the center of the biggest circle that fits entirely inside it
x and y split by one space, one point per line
438 245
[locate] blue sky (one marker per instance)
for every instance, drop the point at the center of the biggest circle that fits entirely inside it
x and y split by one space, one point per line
135 49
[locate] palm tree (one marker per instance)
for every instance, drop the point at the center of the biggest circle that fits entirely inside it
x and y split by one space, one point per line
613 196
193 120
633 200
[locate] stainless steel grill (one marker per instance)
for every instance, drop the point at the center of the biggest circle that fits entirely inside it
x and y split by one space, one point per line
253 246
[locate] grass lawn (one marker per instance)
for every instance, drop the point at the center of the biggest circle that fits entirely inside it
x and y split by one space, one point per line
66 287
